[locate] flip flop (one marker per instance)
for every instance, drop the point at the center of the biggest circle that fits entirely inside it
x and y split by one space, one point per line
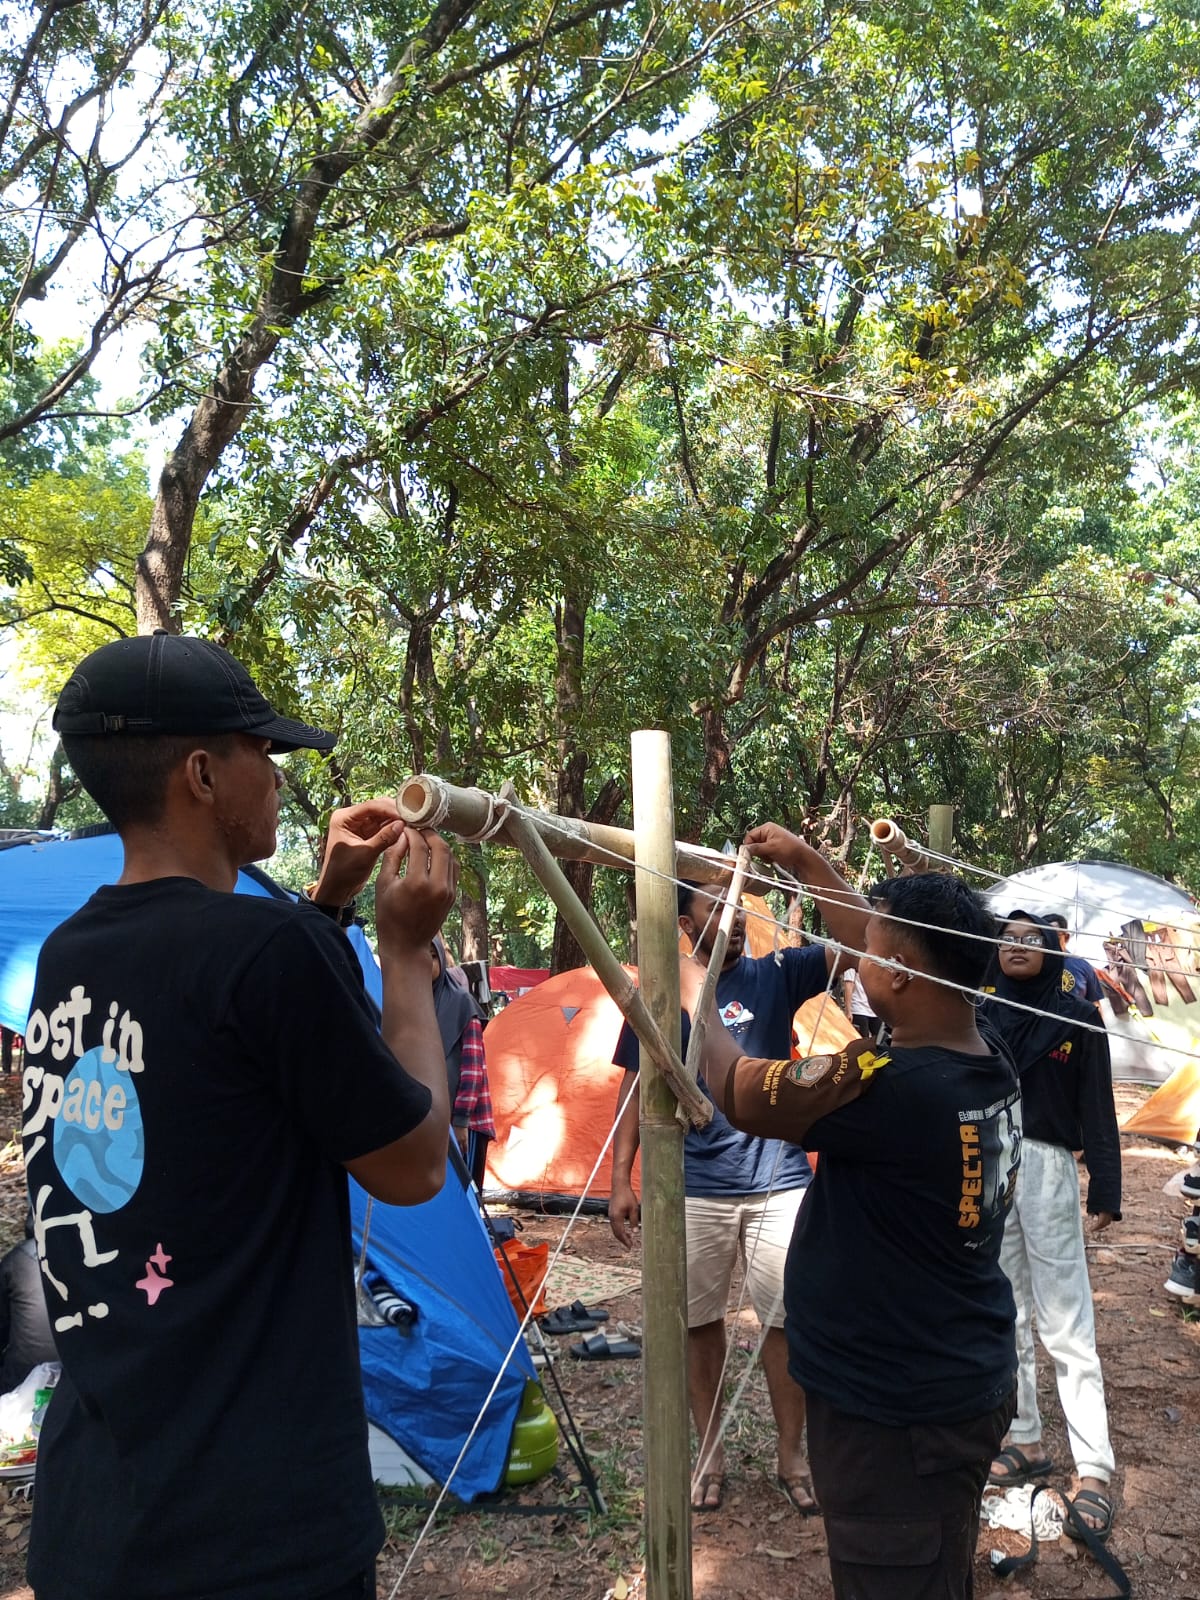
788 1487
564 1320
1099 1505
701 1487
593 1313
601 1348
1020 1469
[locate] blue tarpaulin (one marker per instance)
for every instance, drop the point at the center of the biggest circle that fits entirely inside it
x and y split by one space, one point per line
424 1385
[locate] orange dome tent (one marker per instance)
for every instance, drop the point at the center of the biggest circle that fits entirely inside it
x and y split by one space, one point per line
554 1087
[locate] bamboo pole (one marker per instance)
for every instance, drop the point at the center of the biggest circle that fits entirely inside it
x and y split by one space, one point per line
426 801
893 841
664 1257
941 829
693 1106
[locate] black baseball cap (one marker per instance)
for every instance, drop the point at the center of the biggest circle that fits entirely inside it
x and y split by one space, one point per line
166 683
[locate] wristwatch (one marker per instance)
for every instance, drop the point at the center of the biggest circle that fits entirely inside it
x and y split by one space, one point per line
342 915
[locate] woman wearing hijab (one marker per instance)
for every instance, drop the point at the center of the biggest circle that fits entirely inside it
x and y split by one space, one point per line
460 1024
1067 1105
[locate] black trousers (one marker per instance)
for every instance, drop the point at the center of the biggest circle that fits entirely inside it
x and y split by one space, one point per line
901 1505
360 1587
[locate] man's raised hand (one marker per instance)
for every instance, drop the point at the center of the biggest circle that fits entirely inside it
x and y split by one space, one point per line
770 842
415 889
358 836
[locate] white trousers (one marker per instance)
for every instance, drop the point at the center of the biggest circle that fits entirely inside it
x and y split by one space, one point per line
1043 1256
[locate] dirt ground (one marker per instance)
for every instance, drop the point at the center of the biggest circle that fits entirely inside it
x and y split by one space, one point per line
755 1545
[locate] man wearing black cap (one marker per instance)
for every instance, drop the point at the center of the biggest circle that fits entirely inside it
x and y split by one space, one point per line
201 1070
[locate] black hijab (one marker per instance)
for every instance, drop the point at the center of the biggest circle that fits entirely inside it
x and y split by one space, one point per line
1029 1038
456 1008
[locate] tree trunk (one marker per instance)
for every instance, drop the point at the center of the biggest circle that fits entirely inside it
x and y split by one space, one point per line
221 411
716 764
474 909
568 692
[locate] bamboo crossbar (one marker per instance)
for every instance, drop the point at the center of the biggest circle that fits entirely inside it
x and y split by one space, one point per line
426 801
694 1107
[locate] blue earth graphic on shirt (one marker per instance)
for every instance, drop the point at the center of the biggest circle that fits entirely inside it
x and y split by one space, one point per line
99 1143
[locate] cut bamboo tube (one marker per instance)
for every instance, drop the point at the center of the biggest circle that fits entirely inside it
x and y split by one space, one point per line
941 829
694 1107
893 840
426 801
664 1254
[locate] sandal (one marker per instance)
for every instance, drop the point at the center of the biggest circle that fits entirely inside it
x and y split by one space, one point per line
702 1492
1088 1500
601 1348
793 1488
564 1320
1018 1468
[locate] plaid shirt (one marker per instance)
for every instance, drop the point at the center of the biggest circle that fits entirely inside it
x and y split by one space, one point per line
473 1102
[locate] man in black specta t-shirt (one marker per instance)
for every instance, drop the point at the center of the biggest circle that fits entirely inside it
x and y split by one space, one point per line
741 1194
202 1069
899 1318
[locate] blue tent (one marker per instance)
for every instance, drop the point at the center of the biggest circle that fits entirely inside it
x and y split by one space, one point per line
424 1384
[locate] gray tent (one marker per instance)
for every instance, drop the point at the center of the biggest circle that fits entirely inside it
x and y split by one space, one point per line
1142 931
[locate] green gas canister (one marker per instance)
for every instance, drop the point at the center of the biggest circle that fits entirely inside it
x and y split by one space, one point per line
534 1439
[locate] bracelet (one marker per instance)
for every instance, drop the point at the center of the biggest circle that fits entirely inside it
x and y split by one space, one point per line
342 915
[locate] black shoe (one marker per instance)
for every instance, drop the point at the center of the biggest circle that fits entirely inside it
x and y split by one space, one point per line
1189 1230
1184 1281
1191 1185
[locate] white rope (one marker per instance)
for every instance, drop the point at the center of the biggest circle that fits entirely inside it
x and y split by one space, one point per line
848 897
497 813
517 1338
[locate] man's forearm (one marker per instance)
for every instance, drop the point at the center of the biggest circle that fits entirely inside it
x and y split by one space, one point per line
410 1028
845 911
628 1135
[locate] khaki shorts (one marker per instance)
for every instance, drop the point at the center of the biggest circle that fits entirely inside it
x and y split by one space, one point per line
758 1228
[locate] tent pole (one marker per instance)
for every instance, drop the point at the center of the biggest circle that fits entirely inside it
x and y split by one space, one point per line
666 1441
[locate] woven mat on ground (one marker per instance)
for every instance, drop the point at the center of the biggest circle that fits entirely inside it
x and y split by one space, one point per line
589 1281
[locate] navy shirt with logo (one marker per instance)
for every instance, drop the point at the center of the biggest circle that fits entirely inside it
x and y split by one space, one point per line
756 999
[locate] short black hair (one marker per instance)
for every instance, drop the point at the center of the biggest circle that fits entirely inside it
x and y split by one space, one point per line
1055 919
686 894
958 930
126 774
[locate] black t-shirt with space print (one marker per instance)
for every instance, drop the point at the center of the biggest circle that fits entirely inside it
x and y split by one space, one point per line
199 1065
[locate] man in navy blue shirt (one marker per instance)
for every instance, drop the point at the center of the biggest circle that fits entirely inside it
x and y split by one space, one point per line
1087 984
742 1193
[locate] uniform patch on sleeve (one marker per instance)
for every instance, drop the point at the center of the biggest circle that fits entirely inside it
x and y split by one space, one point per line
811 1070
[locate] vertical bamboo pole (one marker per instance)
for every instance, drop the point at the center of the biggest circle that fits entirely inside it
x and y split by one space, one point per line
941 829
667 1449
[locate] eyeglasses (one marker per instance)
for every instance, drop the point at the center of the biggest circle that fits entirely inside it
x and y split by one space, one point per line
1034 940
